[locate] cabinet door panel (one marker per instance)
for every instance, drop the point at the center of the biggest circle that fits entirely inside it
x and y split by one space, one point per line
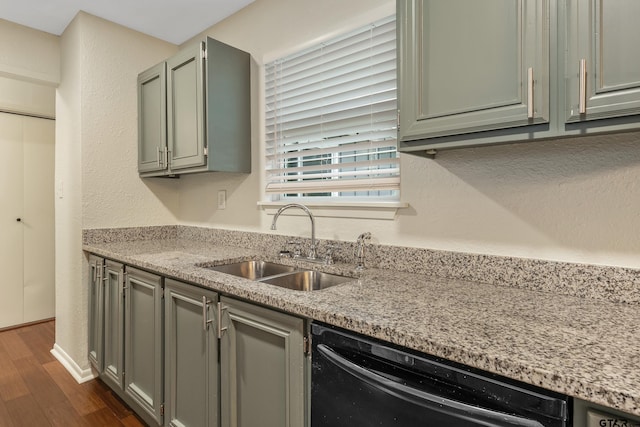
113 325
604 34
262 367
96 313
185 114
152 119
464 66
459 67
191 351
143 338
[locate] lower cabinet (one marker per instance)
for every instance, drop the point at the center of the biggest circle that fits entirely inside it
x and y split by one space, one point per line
96 312
262 367
126 335
182 356
112 371
143 342
191 356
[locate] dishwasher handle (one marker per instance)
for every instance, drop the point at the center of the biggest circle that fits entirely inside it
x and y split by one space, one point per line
422 398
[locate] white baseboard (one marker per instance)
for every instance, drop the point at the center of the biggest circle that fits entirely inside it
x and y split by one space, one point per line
79 374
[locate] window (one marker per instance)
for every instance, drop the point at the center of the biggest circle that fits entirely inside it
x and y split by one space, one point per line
331 117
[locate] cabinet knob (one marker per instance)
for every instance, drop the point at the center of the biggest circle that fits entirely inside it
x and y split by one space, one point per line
19 219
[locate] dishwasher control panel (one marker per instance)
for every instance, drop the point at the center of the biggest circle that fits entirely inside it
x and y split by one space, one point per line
604 419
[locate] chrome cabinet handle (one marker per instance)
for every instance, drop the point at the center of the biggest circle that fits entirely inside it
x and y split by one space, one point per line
159 158
205 320
582 105
530 112
220 328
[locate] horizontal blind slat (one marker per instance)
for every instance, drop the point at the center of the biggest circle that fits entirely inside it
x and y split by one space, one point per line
330 116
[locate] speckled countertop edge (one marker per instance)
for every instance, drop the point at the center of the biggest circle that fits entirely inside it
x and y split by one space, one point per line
582 347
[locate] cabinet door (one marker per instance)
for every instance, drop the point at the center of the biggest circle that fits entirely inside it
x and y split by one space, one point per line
467 66
261 367
152 119
113 324
191 356
602 68
185 108
96 312
144 341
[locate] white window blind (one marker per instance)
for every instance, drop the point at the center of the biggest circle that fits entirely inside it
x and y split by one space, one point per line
331 117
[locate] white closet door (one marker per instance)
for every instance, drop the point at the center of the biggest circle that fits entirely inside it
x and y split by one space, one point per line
38 221
27 287
11 230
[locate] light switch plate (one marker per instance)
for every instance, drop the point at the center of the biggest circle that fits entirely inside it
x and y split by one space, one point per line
222 199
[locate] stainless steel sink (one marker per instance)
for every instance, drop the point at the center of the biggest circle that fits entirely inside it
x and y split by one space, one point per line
307 280
253 270
284 276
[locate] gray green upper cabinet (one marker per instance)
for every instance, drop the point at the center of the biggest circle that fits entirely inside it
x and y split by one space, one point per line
474 73
602 64
152 120
262 367
207 109
467 66
186 112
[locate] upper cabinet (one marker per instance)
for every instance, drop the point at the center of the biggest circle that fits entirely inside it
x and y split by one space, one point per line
603 67
474 73
468 66
152 119
195 112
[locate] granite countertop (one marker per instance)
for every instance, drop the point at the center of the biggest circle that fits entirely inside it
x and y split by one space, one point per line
581 347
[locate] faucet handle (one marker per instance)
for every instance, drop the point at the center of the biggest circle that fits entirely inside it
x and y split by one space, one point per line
328 256
360 249
297 250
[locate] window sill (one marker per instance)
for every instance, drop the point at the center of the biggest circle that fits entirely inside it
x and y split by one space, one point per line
361 210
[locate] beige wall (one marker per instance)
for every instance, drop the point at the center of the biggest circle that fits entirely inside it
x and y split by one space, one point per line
96 153
112 193
29 54
570 200
29 70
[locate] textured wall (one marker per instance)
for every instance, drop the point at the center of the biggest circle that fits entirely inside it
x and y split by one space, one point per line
568 200
112 193
71 313
96 157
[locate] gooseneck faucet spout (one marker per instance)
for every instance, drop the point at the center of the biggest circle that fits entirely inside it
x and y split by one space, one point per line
312 249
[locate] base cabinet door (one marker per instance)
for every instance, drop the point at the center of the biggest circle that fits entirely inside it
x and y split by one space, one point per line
261 367
96 312
113 368
143 380
191 356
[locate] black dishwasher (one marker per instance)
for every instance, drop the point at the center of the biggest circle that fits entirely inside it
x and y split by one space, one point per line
359 381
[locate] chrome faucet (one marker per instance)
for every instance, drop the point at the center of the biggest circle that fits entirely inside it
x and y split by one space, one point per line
360 245
312 250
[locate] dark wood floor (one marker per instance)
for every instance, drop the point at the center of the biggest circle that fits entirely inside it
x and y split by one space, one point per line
36 390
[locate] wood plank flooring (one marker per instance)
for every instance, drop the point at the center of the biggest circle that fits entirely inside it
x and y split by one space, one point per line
36 390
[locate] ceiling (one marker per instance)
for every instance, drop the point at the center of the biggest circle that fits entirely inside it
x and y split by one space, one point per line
172 20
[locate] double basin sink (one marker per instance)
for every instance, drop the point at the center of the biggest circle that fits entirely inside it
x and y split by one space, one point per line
284 276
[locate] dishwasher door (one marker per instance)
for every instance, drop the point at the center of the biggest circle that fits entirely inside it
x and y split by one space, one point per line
358 381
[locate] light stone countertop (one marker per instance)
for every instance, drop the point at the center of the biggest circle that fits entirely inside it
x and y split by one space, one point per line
582 347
